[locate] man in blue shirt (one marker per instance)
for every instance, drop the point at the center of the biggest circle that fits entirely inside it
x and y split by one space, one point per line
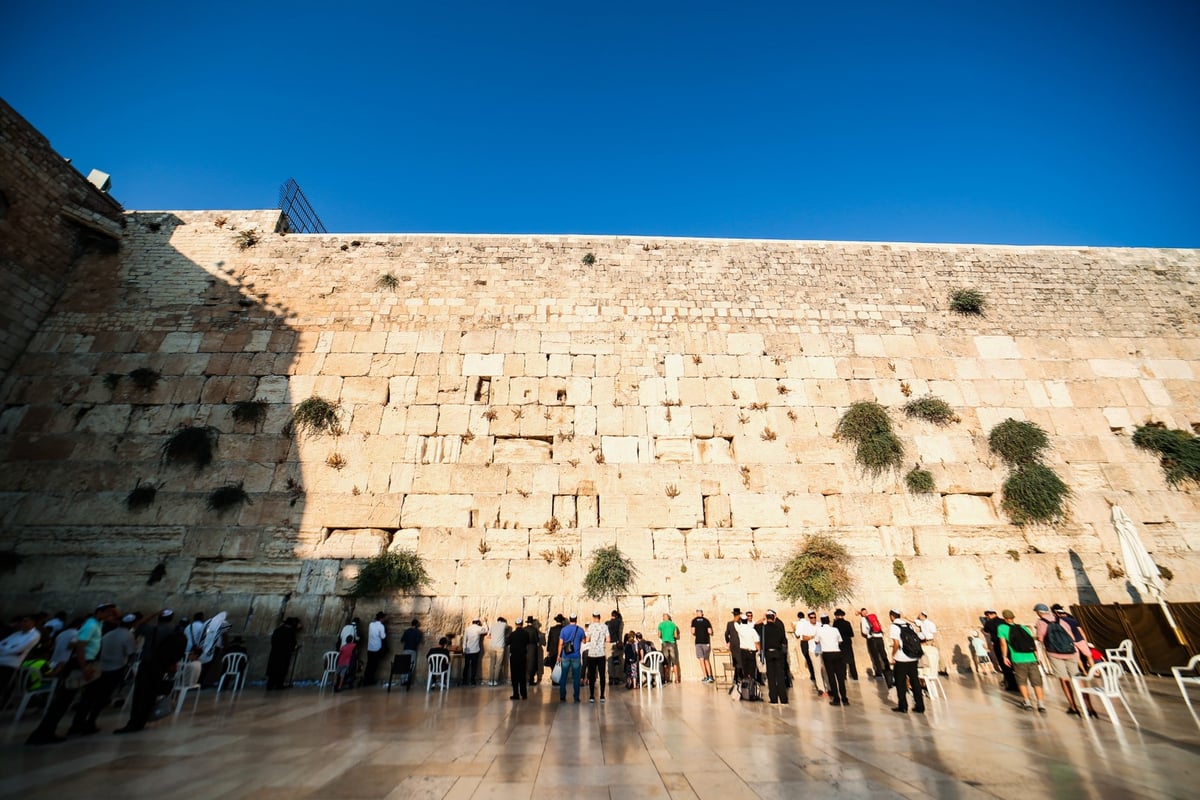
81 669
569 651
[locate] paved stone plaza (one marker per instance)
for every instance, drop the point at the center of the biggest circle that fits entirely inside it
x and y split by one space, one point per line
688 741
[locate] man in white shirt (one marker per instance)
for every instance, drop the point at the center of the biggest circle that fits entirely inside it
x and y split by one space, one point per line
595 654
928 631
376 644
873 632
750 643
13 650
472 652
806 629
499 637
830 639
904 666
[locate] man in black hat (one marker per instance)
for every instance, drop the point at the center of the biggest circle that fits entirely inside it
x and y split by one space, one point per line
774 644
847 631
991 626
731 641
163 645
552 637
518 666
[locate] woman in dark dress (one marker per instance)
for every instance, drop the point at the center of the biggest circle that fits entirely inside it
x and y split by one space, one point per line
283 645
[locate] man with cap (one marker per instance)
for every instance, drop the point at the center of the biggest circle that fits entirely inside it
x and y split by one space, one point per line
774 645
668 633
81 669
1063 654
1020 651
595 649
570 649
518 660
991 626
830 640
904 666
163 645
702 634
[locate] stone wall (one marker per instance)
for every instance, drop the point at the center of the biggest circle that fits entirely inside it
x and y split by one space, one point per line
507 408
51 219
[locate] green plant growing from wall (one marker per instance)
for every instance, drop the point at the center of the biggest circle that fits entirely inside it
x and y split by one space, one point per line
246 239
1178 451
900 572
611 573
392 571
818 574
387 281
919 481
249 412
877 448
931 409
589 259
191 445
145 378
315 416
1033 493
227 497
968 302
1018 442
141 496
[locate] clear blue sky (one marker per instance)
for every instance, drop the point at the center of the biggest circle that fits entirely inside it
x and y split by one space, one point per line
1015 122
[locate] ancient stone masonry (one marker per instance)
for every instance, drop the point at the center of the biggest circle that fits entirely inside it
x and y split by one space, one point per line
508 405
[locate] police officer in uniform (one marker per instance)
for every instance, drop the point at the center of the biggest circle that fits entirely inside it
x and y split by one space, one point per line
774 645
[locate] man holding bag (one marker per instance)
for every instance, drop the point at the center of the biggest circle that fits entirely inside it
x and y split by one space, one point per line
570 642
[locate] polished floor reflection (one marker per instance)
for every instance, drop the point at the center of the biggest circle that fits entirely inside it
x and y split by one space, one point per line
689 741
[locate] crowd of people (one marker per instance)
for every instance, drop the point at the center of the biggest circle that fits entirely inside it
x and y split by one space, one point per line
92 658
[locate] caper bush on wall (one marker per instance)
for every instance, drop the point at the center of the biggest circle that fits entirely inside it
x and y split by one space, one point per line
316 415
877 448
968 302
1178 451
931 409
1018 442
227 497
819 573
191 445
919 481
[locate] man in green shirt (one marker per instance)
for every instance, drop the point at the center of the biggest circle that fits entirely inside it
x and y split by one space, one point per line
1018 648
668 631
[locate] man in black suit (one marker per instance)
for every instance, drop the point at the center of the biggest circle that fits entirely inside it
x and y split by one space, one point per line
518 664
847 631
774 645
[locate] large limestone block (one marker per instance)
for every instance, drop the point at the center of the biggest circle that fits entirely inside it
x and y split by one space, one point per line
353 543
966 509
483 364
449 543
673 449
251 577
620 449
857 510
520 450
532 511
448 510
503 543
754 510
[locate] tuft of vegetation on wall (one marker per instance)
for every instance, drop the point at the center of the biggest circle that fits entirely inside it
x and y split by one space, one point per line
919 481
967 302
931 409
315 416
1178 451
392 571
1034 493
877 448
611 573
819 573
228 497
191 445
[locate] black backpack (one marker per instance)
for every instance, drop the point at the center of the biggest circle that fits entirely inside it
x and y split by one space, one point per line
1057 640
910 642
1020 640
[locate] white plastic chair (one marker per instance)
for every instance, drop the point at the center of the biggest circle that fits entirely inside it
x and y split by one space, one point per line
1123 654
439 672
1185 677
650 669
235 669
23 679
329 676
1110 687
187 679
928 672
